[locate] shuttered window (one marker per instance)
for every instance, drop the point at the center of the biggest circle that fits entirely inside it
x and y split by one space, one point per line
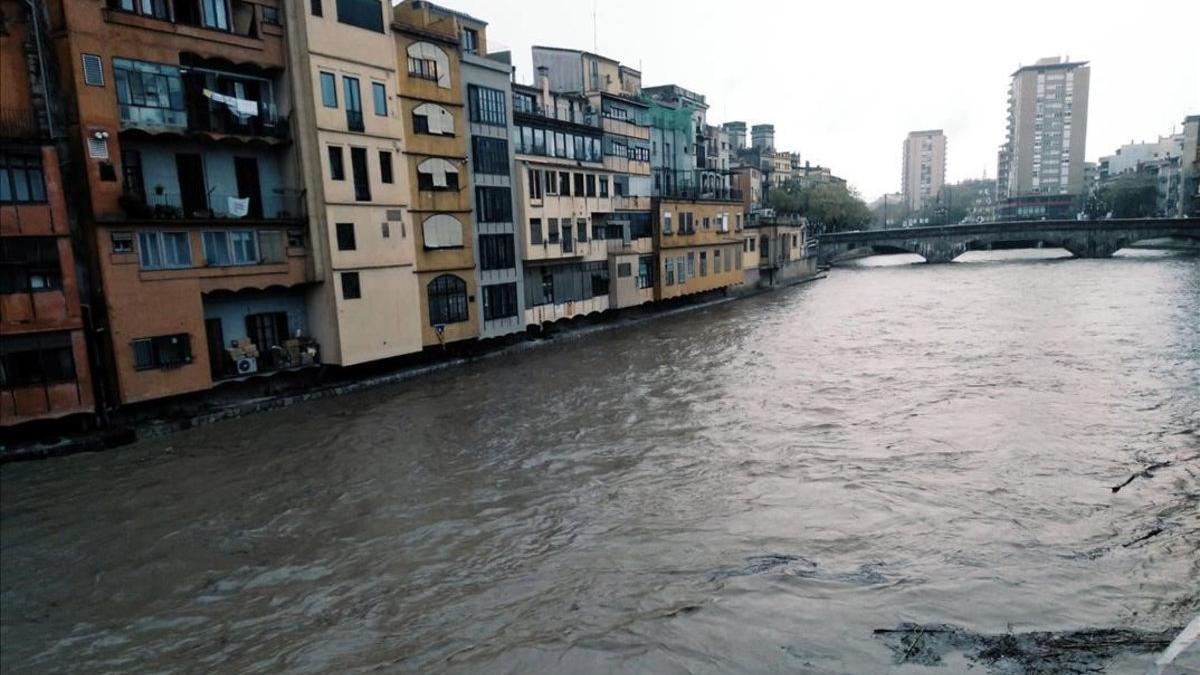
93 70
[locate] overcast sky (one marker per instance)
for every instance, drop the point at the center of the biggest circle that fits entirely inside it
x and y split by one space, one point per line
844 81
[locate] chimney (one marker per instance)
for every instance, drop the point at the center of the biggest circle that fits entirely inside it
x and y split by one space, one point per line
543 81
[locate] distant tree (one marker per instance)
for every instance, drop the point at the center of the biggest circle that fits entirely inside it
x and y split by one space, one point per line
834 207
1130 195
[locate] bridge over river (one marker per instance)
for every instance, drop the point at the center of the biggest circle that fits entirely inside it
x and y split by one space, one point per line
941 244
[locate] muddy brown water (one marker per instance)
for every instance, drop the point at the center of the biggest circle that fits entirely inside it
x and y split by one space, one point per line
751 487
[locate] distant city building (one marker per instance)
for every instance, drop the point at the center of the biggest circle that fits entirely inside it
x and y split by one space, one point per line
737 134
1040 165
762 136
1129 156
1189 196
924 170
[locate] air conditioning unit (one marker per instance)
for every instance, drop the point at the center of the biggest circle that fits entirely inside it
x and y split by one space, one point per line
247 365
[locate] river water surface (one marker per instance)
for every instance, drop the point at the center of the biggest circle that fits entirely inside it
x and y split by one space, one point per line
750 487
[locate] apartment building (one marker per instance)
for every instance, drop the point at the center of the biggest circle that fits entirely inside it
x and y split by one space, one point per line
1040 165
1189 192
180 116
699 244
427 42
45 373
596 104
487 88
350 134
924 171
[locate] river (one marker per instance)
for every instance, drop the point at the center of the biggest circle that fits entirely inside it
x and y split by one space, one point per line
754 486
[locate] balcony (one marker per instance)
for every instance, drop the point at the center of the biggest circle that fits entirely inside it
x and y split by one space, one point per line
692 193
218 119
354 121
20 123
285 204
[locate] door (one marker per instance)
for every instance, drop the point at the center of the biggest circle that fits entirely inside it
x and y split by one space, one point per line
193 196
268 331
216 347
131 170
246 171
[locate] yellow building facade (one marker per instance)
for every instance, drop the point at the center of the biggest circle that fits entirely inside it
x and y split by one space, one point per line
699 246
435 126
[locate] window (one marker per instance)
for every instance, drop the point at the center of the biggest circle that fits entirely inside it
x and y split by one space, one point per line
624 270
499 301
29 264
164 250
366 14
470 40
270 15
215 14
645 278
93 70
122 242
591 185
270 244
552 231
493 204
385 167
691 264
535 183
337 170
21 178
236 247
345 237
547 287
703 263
564 183
362 177
706 223
163 351
149 93
490 155
666 222
568 244
350 287
551 183
728 261
487 106
379 94
354 116
669 272
535 230
496 252
447 300
604 186
328 90
581 229
152 8
315 8
431 118
437 174
752 243
425 69
442 230
39 359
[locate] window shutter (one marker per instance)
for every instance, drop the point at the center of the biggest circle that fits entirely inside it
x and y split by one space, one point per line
93 70
97 148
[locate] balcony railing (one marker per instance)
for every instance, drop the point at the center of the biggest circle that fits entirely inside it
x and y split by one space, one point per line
293 353
220 119
691 192
20 122
288 204
354 120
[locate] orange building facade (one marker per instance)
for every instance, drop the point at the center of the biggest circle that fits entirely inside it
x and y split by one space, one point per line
44 368
192 205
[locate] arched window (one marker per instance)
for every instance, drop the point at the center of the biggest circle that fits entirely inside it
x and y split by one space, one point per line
428 62
436 173
431 118
447 300
442 231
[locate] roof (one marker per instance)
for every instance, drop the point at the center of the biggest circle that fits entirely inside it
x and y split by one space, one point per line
447 11
577 51
926 131
1064 65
